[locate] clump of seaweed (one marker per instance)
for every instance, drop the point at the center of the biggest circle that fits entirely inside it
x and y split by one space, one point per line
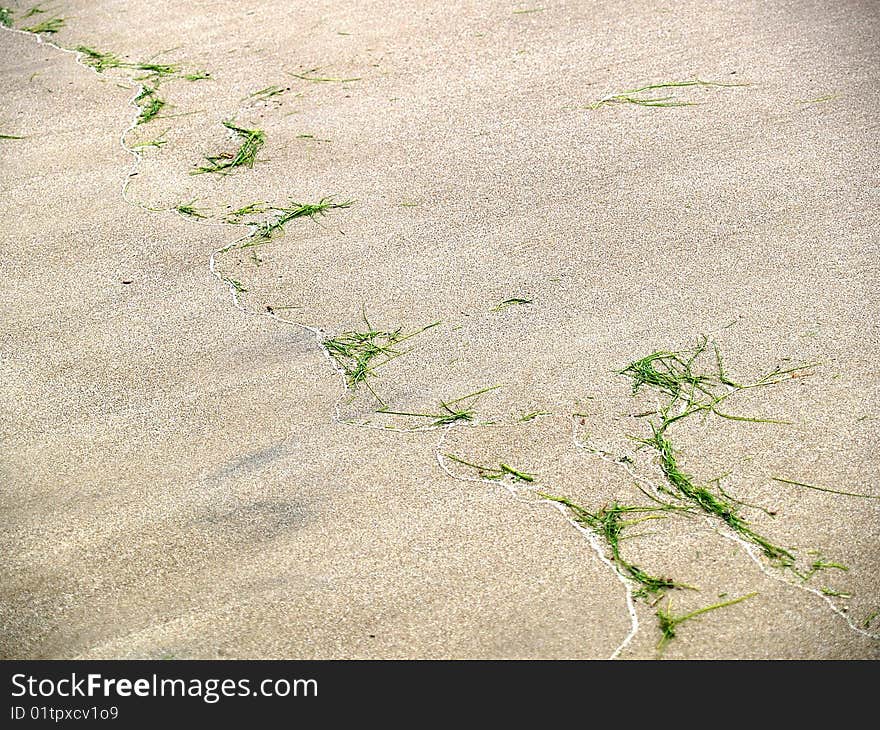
361 353
283 215
673 374
252 140
687 389
50 26
669 622
10 136
683 486
449 412
609 524
99 60
635 96
102 61
150 104
6 17
155 71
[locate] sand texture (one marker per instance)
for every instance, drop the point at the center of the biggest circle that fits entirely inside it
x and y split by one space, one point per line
184 471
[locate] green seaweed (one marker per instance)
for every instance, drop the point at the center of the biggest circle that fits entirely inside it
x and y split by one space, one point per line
189 209
360 354
155 71
825 489
321 79
252 140
831 592
820 564
157 142
712 504
669 622
49 26
631 96
236 216
609 524
526 417
102 61
32 11
817 100
99 60
462 409
150 104
283 215
267 93
493 473
510 303
689 389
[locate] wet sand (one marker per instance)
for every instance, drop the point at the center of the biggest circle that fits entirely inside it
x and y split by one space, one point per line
179 476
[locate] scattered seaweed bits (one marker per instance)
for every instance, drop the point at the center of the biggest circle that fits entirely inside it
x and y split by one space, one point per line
636 96
825 489
531 416
449 412
493 473
510 303
309 76
267 93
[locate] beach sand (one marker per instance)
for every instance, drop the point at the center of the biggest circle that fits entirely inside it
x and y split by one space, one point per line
184 477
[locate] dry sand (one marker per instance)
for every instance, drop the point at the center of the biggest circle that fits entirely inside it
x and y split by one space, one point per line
176 481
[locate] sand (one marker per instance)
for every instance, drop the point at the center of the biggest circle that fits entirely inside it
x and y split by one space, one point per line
178 476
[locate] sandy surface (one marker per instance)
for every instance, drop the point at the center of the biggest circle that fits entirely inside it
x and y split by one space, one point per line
178 479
